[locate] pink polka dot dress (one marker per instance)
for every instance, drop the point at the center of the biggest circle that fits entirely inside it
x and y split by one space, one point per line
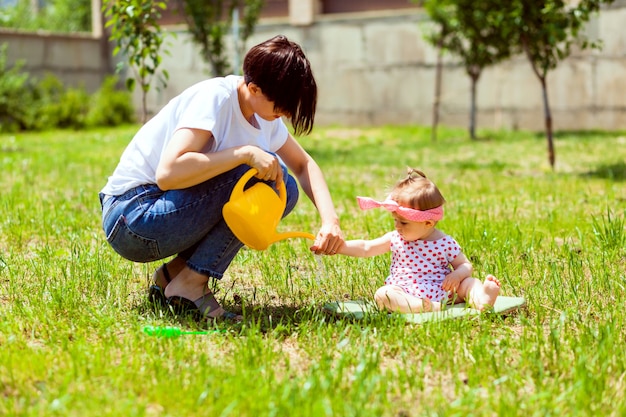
419 267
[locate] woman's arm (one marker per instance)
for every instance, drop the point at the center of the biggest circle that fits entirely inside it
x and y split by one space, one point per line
187 162
311 179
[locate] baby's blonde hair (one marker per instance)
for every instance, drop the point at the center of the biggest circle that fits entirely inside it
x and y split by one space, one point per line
417 192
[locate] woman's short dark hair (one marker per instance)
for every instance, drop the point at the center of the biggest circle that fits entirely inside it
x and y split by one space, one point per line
282 71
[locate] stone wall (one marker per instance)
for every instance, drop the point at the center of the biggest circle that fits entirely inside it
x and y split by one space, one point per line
76 59
375 68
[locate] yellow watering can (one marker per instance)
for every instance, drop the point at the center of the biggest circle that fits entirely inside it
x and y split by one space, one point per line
253 215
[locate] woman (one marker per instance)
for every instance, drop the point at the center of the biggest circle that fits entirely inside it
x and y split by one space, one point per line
166 195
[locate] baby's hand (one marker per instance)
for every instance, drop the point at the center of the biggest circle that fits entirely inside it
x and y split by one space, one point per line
451 282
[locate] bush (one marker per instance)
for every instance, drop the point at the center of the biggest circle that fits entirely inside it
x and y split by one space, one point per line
59 106
110 106
30 104
73 108
16 96
53 15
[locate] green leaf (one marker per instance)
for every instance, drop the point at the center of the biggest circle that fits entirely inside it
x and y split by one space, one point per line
130 84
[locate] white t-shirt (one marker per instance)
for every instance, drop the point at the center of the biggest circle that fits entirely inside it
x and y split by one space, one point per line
208 105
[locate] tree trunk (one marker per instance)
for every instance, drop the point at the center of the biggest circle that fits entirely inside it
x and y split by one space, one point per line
548 115
546 105
437 100
472 126
144 106
97 20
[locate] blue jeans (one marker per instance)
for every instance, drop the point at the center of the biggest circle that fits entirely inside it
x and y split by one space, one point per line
146 224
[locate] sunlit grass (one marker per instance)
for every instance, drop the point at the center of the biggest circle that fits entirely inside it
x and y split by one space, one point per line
71 310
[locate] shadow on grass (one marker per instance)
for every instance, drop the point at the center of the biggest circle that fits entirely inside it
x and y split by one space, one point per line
472 165
266 318
290 318
578 134
583 134
615 172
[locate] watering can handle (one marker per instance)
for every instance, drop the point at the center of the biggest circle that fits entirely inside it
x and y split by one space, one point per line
238 189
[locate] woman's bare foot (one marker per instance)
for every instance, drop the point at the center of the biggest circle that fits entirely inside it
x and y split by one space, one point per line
161 277
490 291
178 283
164 274
188 284
220 314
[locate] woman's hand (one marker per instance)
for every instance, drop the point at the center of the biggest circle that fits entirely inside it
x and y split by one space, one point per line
310 177
266 164
328 241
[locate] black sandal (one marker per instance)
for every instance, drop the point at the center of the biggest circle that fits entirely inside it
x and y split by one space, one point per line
205 307
156 294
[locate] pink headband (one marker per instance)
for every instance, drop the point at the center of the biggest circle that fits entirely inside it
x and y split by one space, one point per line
408 213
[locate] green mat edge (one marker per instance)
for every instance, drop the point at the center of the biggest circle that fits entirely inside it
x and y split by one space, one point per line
357 309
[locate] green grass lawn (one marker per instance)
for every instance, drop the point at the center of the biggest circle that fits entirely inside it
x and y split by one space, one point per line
72 311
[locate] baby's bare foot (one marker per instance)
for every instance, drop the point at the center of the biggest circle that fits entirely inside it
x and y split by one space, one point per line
491 289
429 305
